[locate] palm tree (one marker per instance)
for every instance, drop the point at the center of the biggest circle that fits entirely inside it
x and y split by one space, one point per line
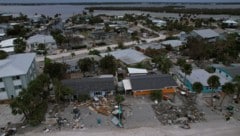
197 87
237 85
187 70
227 88
214 83
164 63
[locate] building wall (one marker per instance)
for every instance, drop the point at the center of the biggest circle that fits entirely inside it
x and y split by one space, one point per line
167 90
223 73
13 85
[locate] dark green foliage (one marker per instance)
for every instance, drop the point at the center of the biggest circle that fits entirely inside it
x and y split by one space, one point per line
164 63
95 20
108 64
197 87
62 92
86 64
213 82
119 98
32 102
58 36
156 95
94 52
19 45
54 69
3 54
181 62
83 98
17 30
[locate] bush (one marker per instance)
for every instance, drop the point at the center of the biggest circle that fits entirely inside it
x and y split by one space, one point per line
3 54
156 95
83 98
119 98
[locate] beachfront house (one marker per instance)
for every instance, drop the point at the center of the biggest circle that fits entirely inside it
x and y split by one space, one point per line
145 84
92 86
15 74
7 45
200 75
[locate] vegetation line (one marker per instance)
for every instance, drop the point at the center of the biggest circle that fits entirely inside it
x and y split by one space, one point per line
173 9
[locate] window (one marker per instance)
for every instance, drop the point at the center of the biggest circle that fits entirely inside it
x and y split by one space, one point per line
2 89
226 75
1 80
16 78
97 93
18 87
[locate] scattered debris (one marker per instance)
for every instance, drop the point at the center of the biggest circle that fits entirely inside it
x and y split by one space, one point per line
168 113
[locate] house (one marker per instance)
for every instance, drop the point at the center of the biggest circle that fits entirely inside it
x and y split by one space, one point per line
230 23
145 84
176 44
94 86
8 45
15 74
145 46
128 56
137 71
159 23
102 35
37 18
229 72
200 75
47 40
206 34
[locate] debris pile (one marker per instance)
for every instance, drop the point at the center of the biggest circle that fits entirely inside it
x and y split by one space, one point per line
169 114
103 106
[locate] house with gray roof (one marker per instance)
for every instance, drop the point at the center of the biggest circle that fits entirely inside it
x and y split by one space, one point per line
128 56
92 86
229 72
145 84
16 71
205 34
47 40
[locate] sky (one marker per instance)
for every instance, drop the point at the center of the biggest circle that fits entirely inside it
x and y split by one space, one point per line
62 1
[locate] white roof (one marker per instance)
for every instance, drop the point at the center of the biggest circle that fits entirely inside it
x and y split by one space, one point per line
128 56
7 43
206 33
127 84
40 39
158 21
200 75
137 71
230 22
173 43
16 64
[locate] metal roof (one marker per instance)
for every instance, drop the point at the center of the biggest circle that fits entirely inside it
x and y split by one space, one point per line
233 70
40 39
173 43
151 82
128 56
86 85
137 71
206 33
18 64
200 75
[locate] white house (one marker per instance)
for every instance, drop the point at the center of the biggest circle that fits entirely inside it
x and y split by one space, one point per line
7 45
230 23
47 40
159 23
16 71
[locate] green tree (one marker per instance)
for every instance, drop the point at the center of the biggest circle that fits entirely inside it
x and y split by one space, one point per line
237 85
55 69
3 55
227 88
187 70
181 62
19 45
119 99
94 52
32 101
156 95
62 92
197 87
86 65
214 83
108 64
164 63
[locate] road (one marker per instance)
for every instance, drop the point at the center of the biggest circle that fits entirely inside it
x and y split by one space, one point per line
102 48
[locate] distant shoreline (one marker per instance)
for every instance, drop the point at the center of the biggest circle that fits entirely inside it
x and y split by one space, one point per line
123 3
